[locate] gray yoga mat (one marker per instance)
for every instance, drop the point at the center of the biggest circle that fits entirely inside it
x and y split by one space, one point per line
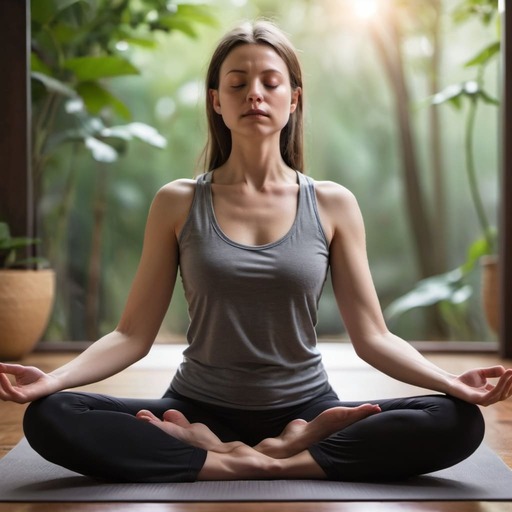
25 476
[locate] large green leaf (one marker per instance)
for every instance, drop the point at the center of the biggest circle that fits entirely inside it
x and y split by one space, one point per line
141 131
197 13
44 11
452 93
455 93
449 287
485 55
37 65
53 85
96 98
186 17
94 68
101 152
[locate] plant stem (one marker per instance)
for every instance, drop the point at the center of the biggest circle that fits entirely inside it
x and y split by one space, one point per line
470 169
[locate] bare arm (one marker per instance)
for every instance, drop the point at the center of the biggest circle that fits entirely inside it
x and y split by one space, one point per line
147 303
359 306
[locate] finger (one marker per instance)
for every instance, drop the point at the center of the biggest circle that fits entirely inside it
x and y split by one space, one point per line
12 369
5 383
8 392
501 391
493 371
507 387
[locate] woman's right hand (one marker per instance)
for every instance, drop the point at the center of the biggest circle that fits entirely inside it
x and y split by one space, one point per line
30 383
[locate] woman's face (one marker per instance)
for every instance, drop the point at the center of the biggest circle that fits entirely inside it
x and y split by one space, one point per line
254 95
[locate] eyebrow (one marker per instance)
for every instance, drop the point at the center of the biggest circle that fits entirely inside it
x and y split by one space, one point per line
244 72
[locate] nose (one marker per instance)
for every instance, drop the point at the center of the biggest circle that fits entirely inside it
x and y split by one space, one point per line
255 95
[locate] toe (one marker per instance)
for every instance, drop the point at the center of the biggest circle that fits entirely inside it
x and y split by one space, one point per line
176 417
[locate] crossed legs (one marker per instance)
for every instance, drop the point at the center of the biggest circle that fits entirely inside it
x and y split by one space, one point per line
121 440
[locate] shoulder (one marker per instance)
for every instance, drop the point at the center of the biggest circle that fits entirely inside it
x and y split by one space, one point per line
338 209
334 198
178 189
178 193
172 202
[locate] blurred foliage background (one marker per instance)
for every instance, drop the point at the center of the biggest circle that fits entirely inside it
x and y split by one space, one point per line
121 129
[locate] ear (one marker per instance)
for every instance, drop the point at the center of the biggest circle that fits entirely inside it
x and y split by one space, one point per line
214 98
295 99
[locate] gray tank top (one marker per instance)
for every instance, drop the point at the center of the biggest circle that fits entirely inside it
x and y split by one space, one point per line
253 309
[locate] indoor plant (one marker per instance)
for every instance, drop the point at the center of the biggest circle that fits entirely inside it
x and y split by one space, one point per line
26 296
451 290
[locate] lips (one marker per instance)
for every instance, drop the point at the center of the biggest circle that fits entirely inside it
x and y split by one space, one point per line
255 112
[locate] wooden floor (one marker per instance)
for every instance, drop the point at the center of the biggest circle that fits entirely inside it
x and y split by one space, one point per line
349 376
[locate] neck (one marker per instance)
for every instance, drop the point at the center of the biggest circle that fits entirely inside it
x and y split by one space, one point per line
255 162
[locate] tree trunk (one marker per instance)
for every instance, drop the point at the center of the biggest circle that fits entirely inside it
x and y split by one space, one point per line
419 221
92 303
435 130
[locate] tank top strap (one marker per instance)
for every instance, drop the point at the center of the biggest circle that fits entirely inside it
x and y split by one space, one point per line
198 217
308 207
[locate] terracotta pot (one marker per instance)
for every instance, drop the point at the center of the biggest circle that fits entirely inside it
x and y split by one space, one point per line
490 291
26 300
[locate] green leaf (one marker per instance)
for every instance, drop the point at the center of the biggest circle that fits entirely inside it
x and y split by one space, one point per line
484 56
94 68
5 232
44 11
17 243
487 98
452 93
448 287
37 65
197 13
143 42
172 22
28 262
96 98
141 131
185 17
476 250
53 85
101 152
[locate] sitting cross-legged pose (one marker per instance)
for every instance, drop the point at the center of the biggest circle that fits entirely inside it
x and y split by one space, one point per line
253 239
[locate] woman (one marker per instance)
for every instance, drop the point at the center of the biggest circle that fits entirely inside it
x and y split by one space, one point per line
253 239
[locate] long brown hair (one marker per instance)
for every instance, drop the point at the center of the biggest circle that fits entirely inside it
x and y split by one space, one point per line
218 145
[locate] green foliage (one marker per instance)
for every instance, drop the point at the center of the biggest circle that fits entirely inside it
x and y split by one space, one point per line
483 10
76 46
10 247
80 48
450 290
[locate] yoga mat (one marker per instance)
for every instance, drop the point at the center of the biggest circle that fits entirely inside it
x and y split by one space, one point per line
25 476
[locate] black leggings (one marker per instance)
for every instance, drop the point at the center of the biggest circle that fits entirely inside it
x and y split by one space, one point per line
99 436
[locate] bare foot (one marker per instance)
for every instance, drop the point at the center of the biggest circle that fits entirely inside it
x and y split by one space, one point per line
299 434
176 425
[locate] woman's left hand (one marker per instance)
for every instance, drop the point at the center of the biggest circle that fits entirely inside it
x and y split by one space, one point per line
474 386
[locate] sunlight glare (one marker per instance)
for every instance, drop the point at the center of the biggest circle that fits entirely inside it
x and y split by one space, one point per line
366 9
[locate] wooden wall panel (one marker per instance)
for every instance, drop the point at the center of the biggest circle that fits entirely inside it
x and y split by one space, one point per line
15 184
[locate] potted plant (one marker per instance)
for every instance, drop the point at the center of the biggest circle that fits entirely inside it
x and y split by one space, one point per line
483 250
26 296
